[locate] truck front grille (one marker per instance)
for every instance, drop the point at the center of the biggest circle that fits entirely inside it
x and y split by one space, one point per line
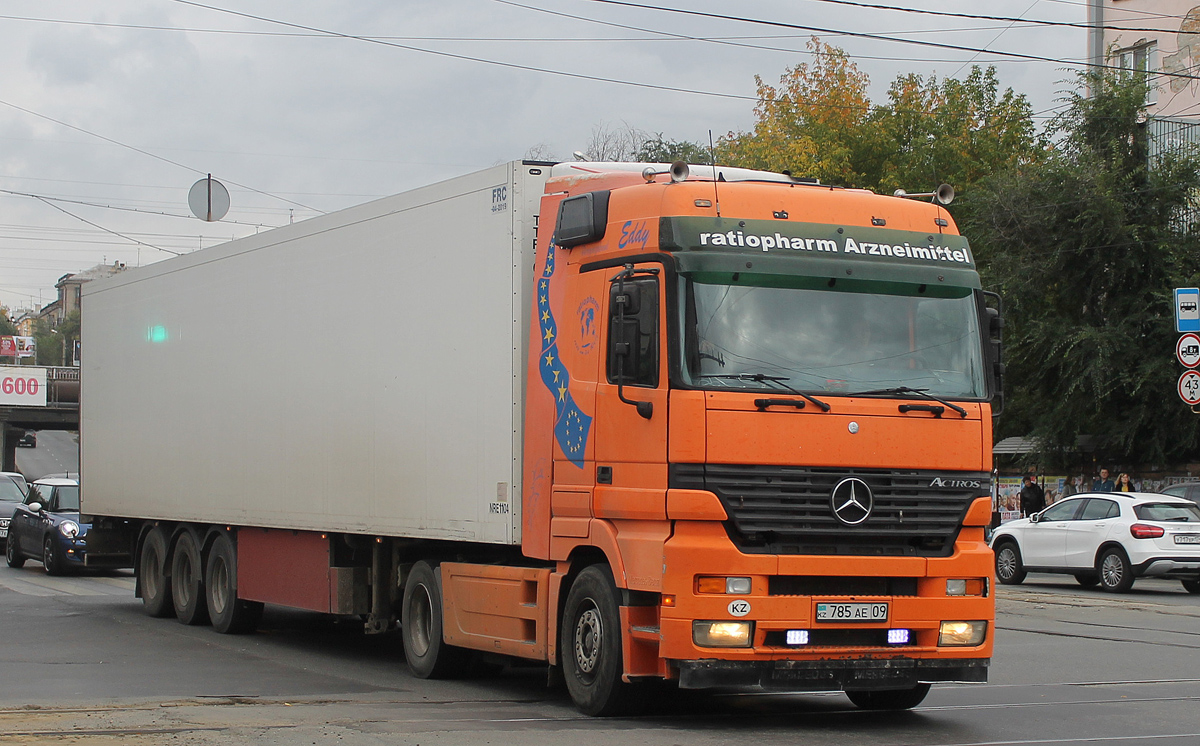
788 509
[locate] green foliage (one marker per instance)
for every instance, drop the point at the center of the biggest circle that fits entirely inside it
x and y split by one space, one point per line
1082 246
6 325
819 122
49 344
662 150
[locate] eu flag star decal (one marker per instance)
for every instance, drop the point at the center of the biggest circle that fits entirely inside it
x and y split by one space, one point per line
571 425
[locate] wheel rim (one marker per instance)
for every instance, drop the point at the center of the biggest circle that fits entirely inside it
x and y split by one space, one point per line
10 548
1112 570
420 622
589 637
219 590
1006 563
48 555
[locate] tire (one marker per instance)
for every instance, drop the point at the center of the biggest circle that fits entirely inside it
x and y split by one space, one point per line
50 559
1087 579
1191 586
1116 574
11 555
153 579
428 655
1009 569
889 699
187 580
590 650
230 615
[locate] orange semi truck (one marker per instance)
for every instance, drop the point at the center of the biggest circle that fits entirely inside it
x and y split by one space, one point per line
635 422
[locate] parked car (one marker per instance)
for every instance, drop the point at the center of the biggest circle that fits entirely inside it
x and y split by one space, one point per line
11 495
19 478
28 439
1186 490
1106 539
46 527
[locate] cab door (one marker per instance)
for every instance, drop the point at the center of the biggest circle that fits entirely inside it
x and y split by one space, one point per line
631 398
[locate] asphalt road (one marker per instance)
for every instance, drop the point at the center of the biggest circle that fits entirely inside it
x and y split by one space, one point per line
57 452
81 664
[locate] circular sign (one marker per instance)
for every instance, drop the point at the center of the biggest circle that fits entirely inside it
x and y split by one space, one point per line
209 199
1187 350
739 608
1189 387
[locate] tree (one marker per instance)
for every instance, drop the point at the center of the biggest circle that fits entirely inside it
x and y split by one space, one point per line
1084 247
49 344
820 122
662 150
6 325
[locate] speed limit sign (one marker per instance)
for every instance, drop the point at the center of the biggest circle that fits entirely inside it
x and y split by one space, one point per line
1189 387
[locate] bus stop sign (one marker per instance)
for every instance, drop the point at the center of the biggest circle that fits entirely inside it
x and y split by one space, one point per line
1187 309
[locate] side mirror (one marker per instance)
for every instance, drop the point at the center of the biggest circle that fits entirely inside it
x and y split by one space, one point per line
35 507
1035 517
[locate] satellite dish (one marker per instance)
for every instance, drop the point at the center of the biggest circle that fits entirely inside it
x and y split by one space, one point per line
209 199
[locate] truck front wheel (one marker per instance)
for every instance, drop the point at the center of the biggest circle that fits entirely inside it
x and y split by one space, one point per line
230 614
590 650
889 699
187 580
152 574
428 655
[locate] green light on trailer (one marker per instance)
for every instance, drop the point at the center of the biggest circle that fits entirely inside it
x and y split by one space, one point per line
156 334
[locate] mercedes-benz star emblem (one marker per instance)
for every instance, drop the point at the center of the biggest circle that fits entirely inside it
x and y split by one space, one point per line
851 501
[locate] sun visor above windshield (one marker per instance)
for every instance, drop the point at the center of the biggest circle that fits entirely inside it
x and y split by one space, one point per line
823 250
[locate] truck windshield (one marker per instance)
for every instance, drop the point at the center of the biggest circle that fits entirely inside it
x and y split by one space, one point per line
830 341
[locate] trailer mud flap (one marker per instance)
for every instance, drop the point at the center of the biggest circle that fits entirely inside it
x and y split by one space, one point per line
829 675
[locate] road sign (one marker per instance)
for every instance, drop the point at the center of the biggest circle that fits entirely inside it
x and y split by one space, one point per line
1189 387
1187 309
1187 350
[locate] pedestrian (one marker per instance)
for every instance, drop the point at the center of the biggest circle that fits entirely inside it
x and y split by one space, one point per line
1069 488
1033 498
1103 484
1124 484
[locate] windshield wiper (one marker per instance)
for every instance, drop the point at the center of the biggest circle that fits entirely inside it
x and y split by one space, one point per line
923 393
760 377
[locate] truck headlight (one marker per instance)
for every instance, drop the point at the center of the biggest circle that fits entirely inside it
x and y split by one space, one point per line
723 634
962 634
69 529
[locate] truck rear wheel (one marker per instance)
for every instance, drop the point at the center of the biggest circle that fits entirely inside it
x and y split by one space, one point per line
428 655
889 699
230 614
187 580
590 650
152 575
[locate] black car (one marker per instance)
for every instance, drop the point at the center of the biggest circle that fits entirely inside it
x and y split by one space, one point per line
46 527
28 439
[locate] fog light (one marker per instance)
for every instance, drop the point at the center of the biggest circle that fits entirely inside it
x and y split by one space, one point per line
899 636
722 634
972 587
796 637
962 634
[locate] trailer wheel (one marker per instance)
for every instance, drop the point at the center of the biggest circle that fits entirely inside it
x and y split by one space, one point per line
428 655
230 614
889 699
590 649
152 575
187 580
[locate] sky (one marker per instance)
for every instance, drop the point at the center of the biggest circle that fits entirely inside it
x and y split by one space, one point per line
110 111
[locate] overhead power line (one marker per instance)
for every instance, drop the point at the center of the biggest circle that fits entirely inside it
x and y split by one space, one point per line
865 35
1001 19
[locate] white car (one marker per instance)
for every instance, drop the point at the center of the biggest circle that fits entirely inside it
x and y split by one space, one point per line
17 477
1105 538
